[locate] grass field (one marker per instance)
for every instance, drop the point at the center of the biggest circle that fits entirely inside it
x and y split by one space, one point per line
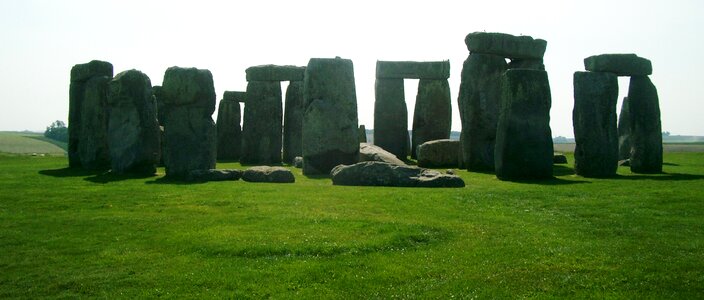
67 234
30 143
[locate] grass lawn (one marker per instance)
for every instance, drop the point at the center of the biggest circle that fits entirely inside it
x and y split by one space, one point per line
29 142
79 234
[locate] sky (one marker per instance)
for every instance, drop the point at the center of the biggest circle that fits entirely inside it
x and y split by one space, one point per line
41 40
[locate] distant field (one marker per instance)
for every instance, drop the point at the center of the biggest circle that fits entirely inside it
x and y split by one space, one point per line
29 143
668 147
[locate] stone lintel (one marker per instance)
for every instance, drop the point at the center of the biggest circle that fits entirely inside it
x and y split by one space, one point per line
275 73
234 96
413 69
619 64
506 45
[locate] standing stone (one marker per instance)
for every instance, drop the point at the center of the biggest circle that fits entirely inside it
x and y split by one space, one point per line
189 130
228 129
133 130
432 116
438 154
479 100
594 120
156 90
644 106
523 137
261 128
624 131
362 133
87 119
293 121
330 117
391 117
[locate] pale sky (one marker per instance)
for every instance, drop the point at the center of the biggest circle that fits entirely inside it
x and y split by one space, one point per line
41 40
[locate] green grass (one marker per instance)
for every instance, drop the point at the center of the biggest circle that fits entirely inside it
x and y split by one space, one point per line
67 234
30 143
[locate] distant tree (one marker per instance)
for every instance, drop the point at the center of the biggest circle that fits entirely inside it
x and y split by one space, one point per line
665 133
57 131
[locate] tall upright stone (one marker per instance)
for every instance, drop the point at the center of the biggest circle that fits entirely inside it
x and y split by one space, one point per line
594 120
391 117
228 128
133 130
189 130
330 115
624 131
524 147
478 101
644 107
87 116
432 116
362 133
293 122
261 128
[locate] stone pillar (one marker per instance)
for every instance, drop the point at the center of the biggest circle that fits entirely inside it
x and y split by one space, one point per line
644 106
330 115
524 148
624 131
87 119
362 133
261 128
432 116
391 117
478 101
133 130
189 130
594 120
228 127
293 121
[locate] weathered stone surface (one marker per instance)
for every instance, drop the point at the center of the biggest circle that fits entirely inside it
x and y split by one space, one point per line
369 152
559 158
214 175
619 64
229 130
374 173
156 91
80 75
524 148
235 96
535 64
413 69
362 133
330 117
505 45
268 174
293 121
391 117
438 154
644 106
624 131
190 138
432 116
298 162
479 100
93 146
261 129
133 131
275 73
594 121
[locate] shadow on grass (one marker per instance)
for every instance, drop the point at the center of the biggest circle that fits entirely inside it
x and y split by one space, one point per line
173 181
670 164
62 145
550 181
561 170
70 172
108 177
660 177
318 177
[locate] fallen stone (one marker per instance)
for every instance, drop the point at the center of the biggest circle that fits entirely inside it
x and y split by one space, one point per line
594 120
214 175
293 122
330 117
619 64
625 126
524 149
438 154
268 174
369 152
646 139
505 45
229 131
391 117
374 173
261 129
275 73
559 158
133 130
413 69
432 116
93 143
479 99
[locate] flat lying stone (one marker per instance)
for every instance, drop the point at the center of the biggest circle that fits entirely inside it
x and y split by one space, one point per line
268 174
439 153
214 175
275 73
559 158
369 152
234 96
374 173
505 45
620 64
413 69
